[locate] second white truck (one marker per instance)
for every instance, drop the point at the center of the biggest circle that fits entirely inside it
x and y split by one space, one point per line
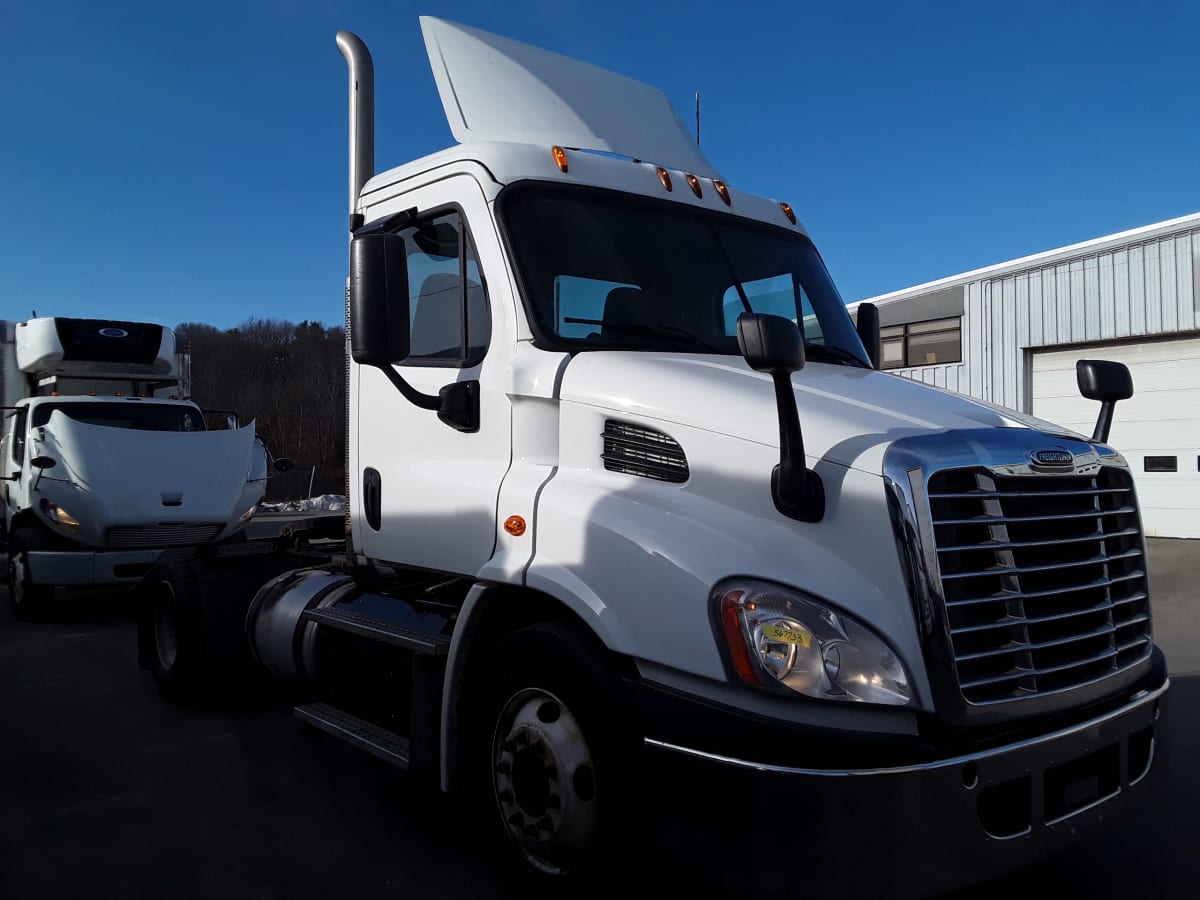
103 462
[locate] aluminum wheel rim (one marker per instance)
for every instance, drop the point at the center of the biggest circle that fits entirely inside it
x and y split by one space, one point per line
544 780
166 638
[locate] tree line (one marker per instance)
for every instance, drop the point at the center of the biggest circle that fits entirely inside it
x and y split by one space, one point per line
290 379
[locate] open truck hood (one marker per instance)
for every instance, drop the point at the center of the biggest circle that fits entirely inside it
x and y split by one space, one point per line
124 477
848 415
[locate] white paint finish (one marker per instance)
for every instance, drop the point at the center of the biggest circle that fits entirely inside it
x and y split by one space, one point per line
496 89
108 476
1161 419
439 504
675 542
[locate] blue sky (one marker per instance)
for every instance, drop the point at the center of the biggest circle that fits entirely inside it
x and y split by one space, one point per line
186 161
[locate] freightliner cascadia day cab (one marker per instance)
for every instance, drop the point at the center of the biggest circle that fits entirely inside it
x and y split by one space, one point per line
104 462
642 551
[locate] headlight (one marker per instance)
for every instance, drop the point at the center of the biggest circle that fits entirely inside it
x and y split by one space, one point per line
58 515
780 640
247 515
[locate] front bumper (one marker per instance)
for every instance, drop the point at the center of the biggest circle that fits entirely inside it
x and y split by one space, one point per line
907 831
84 567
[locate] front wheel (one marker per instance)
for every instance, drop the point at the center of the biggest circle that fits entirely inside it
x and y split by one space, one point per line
561 759
29 601
171 629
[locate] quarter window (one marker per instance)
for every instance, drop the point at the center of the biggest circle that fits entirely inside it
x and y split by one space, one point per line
921 343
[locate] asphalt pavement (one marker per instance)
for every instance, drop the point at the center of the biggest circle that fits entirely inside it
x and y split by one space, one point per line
106 791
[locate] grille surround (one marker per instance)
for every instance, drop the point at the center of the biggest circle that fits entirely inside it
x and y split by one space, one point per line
644 452
171 535
1028 581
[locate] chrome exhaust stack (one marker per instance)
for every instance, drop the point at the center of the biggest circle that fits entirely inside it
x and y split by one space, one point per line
362 116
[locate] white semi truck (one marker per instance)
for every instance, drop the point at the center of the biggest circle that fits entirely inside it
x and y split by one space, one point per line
103 460
643 551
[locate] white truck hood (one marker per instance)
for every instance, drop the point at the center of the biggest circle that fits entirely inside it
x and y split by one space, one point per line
118 476
848 415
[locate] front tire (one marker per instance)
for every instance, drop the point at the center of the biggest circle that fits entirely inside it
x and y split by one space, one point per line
558 761
29 601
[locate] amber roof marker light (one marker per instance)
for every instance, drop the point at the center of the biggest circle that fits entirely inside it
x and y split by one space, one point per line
515 525
723 191
694 184
787 211
560 158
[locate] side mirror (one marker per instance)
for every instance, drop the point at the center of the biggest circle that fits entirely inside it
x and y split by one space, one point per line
379 327
770 344
43 462
283 464
867 324
1108 382
774 345
231 423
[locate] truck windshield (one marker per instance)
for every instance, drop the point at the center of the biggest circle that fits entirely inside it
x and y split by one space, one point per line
138 416
606 270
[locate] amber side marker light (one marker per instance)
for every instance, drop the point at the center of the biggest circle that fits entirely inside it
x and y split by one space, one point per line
787 211
665 177
560 158
723 191
739 653
514 525
694 184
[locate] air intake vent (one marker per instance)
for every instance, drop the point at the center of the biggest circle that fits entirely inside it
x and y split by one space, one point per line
635 450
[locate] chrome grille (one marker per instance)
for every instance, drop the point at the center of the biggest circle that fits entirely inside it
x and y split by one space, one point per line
1043 578
635 450
160 536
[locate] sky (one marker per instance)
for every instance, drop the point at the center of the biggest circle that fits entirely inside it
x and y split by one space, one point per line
186 161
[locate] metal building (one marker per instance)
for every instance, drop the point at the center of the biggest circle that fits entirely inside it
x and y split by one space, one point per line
1010 334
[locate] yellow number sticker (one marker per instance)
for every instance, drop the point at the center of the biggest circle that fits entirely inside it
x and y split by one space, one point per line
786 635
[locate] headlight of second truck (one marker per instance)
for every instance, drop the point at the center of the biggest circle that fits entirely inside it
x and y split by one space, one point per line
783 641
59 516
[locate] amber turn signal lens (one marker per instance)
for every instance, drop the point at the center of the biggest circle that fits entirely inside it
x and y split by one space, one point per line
787 211
514 525
560 158
665 177
723 191
694 184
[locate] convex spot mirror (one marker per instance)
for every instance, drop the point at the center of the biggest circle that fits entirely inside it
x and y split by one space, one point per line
770 343
379 323
1104 380
283 464
43 462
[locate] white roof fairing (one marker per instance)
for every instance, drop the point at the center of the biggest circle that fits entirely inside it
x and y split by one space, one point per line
496 89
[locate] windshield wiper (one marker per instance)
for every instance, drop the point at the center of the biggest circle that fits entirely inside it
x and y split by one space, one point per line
825 353
643 328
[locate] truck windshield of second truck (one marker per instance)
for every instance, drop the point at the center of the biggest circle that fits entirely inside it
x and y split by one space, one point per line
126 414
603 270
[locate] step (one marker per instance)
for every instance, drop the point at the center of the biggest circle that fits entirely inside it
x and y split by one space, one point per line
387 745
379 630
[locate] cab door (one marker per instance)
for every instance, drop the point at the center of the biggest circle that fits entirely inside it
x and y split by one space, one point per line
427 492
12 449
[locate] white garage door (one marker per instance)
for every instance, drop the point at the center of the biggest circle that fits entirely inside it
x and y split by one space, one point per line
1159 428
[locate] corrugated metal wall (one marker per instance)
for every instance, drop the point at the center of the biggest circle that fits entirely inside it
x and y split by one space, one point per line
1146 287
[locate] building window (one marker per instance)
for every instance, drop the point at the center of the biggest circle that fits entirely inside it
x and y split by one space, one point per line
922 343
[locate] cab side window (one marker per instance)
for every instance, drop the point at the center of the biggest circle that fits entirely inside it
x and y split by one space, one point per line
18 435
450 323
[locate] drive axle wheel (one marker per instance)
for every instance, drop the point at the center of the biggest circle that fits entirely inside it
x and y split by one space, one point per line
29 600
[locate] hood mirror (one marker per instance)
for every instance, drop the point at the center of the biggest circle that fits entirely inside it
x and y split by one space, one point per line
43 462
283 464
774 345
1108 382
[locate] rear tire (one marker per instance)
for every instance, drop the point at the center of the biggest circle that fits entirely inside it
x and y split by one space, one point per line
554 763
171 629
29 601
